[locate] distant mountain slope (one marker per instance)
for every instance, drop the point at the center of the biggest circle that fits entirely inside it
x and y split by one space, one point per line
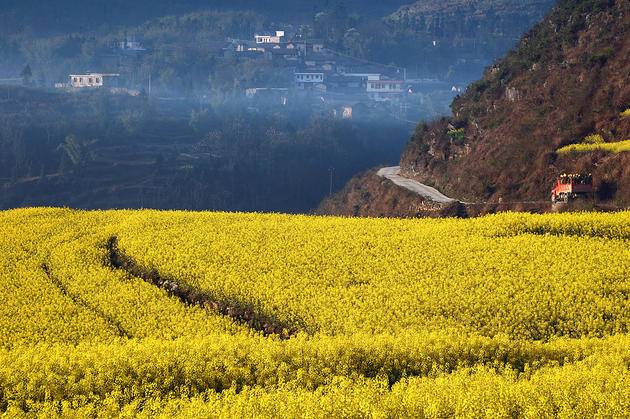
457 30
63 16
438 18
568 79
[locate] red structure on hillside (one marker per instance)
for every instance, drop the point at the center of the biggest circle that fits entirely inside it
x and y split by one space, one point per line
569 187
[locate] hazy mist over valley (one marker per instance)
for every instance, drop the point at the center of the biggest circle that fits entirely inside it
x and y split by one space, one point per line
181 105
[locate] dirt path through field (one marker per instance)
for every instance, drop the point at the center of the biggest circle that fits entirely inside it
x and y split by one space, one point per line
187 294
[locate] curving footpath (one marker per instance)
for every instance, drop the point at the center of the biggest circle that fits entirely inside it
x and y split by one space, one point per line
393 174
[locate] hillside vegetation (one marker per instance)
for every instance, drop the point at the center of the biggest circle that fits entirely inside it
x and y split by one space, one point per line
181 40
62 16
445 33
566 80
93 150
214 314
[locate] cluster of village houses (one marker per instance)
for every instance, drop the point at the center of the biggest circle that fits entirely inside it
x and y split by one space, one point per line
312 68
316 68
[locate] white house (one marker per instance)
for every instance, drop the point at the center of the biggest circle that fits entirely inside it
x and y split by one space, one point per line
307 80
364 76
130 45
270 39
381 90
89 80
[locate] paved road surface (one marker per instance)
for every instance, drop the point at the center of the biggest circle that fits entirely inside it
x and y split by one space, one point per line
393 174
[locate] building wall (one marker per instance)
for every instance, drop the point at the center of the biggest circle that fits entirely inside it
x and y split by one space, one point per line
270 39
385 86
267 39
309 77
86 80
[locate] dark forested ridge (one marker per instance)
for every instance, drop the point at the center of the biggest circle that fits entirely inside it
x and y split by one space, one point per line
63 16
448 32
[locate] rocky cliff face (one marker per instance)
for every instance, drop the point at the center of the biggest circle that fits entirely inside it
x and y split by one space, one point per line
569 78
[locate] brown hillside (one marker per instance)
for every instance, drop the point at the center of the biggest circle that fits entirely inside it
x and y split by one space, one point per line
568 78
369 195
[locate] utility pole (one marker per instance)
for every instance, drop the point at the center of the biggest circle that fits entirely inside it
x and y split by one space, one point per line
331 170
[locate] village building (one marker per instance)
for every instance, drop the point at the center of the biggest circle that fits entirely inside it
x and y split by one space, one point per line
270 39
86 80
89 80
308 77
277 95
364 76
289 55
343 83
326 66
130 46
307 80
310 46
249 46
383 90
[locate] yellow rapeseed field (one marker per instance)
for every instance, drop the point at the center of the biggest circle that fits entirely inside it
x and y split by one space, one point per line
511 315
615 147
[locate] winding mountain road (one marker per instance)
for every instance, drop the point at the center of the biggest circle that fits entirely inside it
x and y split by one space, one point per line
393 174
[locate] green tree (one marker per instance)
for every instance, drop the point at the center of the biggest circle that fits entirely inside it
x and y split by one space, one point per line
27 75
77 151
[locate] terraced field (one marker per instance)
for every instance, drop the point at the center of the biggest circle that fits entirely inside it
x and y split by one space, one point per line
146 313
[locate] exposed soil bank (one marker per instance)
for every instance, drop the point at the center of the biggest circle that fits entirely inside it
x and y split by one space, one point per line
369 195
260 322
